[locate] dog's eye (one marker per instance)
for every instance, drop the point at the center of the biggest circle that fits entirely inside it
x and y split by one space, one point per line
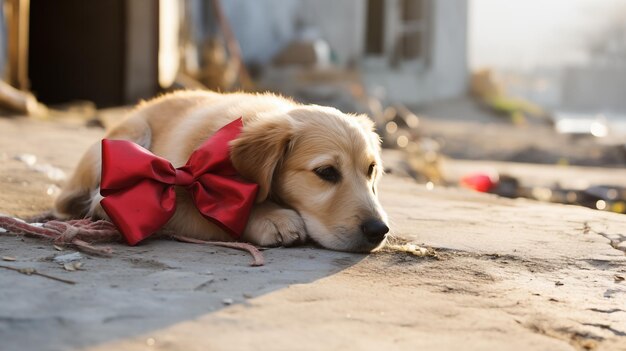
328 173
370 170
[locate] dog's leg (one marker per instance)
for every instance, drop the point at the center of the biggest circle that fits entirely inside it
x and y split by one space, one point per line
80 195
272 225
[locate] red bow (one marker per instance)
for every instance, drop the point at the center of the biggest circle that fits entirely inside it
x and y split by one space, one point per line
139 187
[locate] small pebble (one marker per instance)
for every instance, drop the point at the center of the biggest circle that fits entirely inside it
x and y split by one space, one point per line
67 258
28 159
53 190
228 302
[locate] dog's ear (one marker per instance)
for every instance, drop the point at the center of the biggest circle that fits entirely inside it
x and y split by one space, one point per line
259 150
374 140
368 125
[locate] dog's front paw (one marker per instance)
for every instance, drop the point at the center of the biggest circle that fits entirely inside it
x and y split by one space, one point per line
275 226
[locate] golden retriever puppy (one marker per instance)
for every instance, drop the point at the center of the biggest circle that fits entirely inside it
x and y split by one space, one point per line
317 168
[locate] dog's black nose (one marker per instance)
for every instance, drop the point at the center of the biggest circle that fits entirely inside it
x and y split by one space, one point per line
374 230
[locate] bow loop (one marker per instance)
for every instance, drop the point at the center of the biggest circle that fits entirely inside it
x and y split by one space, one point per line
125 163
139 187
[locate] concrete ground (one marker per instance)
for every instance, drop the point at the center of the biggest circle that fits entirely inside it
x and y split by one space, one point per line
508 274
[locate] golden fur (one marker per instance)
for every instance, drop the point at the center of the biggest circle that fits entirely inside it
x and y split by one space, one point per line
280 147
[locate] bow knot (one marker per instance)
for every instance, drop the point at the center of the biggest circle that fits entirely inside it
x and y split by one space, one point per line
138 187
183 178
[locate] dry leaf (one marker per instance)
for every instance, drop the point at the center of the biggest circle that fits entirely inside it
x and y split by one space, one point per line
28 271
73 266
8 258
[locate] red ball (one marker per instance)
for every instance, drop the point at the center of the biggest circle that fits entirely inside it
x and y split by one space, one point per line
478 181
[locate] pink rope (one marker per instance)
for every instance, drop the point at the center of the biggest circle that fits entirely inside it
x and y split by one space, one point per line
257 256
82 233
73 233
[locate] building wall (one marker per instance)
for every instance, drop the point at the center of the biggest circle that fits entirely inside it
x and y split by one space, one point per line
445 76
450 72
341 23
263 27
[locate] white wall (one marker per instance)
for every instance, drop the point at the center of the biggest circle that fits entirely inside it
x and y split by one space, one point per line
450 69
263 27
447 74
341 23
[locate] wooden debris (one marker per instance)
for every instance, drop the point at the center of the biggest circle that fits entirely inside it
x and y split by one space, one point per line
33 271
19 101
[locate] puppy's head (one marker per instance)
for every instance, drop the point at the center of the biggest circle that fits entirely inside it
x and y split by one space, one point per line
325 165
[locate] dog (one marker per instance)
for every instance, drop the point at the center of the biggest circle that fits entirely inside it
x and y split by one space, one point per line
317 168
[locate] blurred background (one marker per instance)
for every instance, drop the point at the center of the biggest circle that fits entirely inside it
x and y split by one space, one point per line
517 98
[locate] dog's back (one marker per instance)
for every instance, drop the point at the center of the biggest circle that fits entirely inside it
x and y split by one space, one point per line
170 126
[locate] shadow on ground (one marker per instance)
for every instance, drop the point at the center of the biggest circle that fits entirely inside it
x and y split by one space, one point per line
139 289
